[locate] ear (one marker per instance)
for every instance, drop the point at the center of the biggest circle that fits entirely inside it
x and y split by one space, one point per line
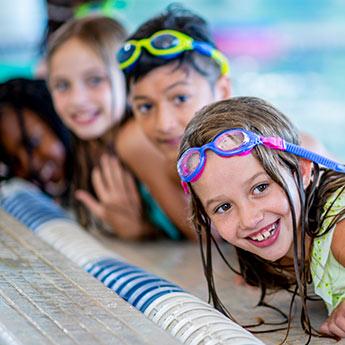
305 167
222 89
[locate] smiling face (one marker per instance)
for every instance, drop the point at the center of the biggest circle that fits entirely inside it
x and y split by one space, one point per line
166 99
88 100
247 207
44 164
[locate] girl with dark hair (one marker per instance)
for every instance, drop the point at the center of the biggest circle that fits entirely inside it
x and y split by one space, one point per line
34 143
172 68
241 161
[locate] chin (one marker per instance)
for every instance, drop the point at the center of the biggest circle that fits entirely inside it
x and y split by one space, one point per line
55 189
88 136
273 256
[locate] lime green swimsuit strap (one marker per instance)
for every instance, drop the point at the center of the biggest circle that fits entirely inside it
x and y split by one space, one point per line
328 274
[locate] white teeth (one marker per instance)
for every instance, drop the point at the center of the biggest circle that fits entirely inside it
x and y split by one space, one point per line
265 234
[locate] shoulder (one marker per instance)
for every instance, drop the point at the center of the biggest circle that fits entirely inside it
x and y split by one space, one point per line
137 151
131 142
128 137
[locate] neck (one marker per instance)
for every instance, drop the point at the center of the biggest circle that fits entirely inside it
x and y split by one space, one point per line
307 244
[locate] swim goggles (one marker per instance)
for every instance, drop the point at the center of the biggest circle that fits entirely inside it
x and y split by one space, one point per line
168 44
240 142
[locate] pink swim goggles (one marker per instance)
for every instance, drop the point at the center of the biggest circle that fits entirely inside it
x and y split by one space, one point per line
237 142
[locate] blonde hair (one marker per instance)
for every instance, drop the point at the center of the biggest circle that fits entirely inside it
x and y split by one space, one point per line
103 35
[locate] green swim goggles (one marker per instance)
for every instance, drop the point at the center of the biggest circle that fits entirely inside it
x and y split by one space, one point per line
168 44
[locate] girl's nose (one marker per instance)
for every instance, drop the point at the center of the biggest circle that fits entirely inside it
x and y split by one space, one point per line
250 216
36 161
166 120
77 95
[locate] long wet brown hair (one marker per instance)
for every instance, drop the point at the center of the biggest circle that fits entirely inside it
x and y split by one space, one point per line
103 35
256 115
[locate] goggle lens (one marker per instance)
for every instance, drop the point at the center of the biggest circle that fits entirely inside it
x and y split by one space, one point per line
165 42
230 141
189 163
126 52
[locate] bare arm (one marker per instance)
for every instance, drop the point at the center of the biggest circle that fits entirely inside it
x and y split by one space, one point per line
151 168
335 323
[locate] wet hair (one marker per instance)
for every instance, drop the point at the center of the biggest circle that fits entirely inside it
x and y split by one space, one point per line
178 18
26 94
256 115
103 35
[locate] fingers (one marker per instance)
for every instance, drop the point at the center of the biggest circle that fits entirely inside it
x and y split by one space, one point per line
111 171
91 203
99 185
335 324
332 329
113 185
107 179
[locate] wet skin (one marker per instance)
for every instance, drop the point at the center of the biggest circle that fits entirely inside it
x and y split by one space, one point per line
247 207
166 99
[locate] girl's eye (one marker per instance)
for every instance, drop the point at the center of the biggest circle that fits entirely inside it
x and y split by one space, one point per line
60 86
222 208
34 142
143 108
260 188
181 99
95 80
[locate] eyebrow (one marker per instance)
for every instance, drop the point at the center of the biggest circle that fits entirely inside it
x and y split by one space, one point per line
221 196
87 72
168 88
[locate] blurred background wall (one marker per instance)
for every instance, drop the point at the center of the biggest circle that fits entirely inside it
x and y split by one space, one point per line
290 52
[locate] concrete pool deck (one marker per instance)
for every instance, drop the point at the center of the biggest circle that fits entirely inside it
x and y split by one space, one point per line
180 263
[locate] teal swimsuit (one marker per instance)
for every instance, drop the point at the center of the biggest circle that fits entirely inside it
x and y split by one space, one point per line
157 216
